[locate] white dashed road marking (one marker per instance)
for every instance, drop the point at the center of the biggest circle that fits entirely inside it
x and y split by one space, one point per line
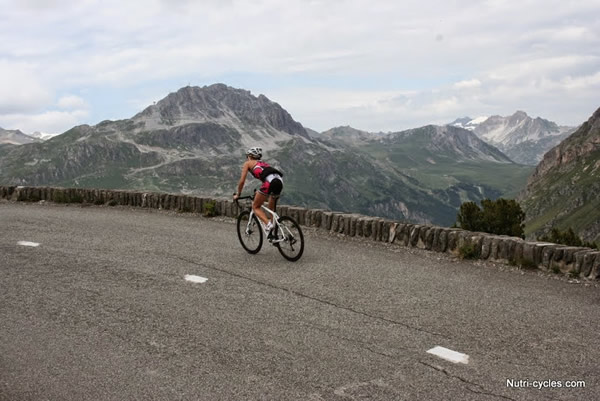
449 355
195 279
27 243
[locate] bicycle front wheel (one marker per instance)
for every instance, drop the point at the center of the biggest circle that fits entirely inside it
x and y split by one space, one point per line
249 232
291 244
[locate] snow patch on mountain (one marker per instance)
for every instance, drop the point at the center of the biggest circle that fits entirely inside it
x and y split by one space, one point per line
468 122
42 135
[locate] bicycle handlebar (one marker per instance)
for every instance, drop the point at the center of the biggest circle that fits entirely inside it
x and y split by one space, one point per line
245 197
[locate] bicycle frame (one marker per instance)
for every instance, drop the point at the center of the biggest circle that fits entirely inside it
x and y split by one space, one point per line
275 220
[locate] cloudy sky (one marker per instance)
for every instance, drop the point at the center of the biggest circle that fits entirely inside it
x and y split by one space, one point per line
374 65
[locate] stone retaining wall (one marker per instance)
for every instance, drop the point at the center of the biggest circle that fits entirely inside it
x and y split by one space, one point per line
579 262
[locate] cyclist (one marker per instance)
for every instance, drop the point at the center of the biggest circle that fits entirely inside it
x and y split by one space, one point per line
272 184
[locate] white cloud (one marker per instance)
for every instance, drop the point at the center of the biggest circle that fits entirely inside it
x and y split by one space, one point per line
468 84
20 88
52 122
72 102
386 64
583 82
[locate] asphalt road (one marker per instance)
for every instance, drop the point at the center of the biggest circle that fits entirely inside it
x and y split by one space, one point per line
101 310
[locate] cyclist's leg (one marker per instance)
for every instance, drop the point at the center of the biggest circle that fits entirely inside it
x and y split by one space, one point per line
272 204
259 199
274 192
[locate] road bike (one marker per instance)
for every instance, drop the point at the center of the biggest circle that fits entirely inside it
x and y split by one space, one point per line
286 234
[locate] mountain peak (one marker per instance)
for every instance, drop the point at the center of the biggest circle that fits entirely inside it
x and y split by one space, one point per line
461 121
220 104
522 138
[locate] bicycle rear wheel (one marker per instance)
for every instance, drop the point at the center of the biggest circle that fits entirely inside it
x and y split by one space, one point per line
249 232
292 245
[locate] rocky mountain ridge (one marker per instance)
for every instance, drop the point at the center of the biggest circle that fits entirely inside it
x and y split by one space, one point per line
193 141
523 139
450 140
564 189
14 137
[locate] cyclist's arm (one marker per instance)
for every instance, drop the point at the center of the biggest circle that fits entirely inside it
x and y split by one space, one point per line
242 179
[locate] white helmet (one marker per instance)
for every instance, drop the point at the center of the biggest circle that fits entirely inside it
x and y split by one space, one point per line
255 152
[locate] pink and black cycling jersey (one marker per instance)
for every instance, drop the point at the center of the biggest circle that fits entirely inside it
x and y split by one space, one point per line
262 170
268 175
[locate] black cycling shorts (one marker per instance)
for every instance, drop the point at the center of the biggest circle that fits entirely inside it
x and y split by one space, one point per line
273 188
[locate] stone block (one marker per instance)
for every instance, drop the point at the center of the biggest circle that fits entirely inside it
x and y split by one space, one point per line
154 200
385 230
294 213
435 239
377 230
374 229
595 271
301 213
476 240
486 247
398 235
119 197
462 239
422 240
442 242
307 217
223 205
316 217
354 224
516 255
281 210
335 222
504 248
345 224
151 201
428 238
164 201
341 223
326 218
360 221
529 249
453 239
548 255
392 234
231 208
579 260
18 194
569 253
588 263
539 250
43 192
495 248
